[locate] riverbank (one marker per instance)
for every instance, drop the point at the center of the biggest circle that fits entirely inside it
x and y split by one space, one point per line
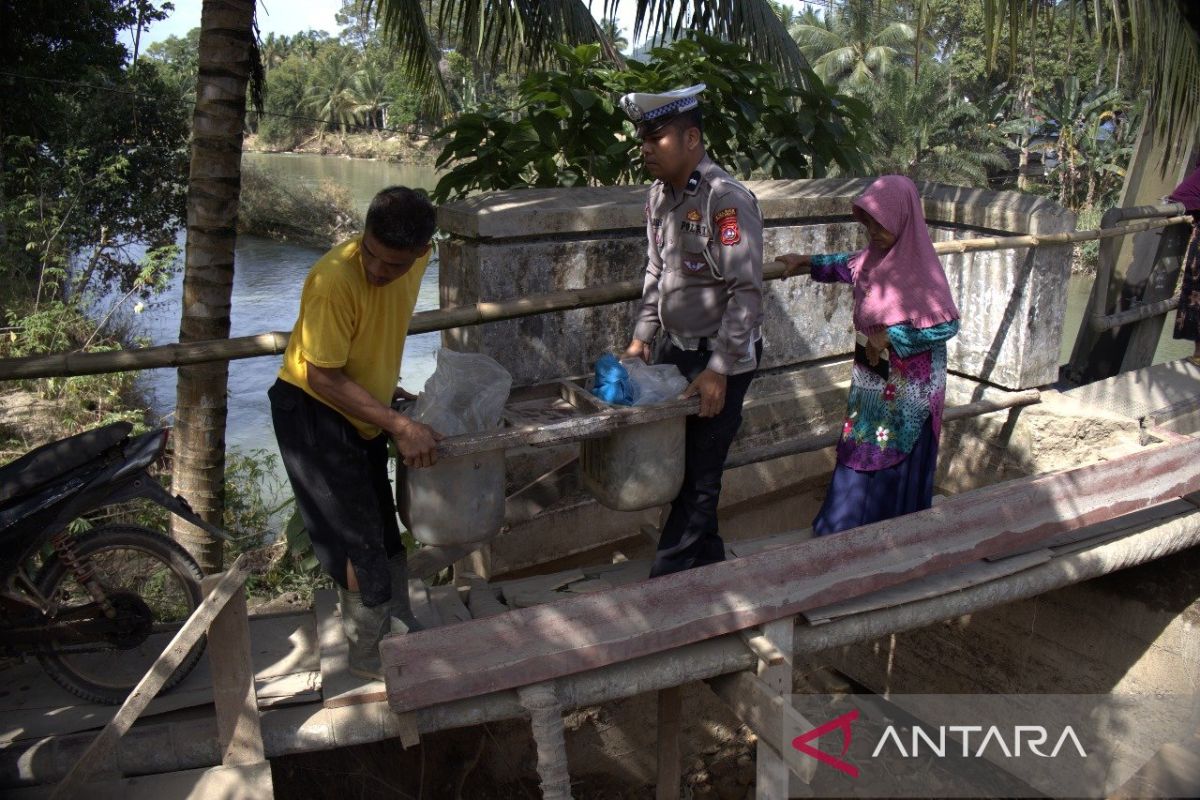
399 148
283 208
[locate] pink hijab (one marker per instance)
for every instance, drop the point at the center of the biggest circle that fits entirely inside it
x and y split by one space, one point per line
905 283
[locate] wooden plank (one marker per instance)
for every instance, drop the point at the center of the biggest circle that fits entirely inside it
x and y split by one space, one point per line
539 588
773 778
420 600
243 782
483 600
293 689
930 586
1103 529
339 687
769 714
239 729
670 706
231 583
285 655
588 631
568 430
762 647
749 547
449 605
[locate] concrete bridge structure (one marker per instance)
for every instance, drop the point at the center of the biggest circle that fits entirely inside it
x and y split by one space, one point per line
1041 613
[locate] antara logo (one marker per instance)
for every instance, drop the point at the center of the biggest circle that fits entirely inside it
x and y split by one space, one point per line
842 723
1032 737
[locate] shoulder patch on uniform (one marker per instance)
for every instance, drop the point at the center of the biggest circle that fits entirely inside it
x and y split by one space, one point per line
726 223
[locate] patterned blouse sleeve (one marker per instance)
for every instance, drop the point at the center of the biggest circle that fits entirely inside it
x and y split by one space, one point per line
907 341
831 268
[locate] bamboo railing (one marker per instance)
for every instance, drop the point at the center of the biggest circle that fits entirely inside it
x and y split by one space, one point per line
275 342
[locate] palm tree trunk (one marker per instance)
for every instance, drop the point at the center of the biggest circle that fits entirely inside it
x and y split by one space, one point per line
214 183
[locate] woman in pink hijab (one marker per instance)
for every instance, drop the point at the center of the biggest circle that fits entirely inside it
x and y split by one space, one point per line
1187 315
903 315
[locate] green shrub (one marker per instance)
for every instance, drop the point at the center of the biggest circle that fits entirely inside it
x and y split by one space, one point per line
284 208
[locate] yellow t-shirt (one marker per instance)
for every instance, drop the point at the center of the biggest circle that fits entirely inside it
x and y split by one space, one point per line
346 322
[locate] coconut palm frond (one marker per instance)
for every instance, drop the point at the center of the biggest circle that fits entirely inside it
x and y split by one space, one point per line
895 34
836 63
1158 36
1166 52
566 20
879 58
751 22
404 21
507 32
815 37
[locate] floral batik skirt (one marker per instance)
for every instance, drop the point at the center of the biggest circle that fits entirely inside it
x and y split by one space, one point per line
1187 316
858 497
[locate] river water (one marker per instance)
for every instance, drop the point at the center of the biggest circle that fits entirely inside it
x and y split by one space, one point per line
269 276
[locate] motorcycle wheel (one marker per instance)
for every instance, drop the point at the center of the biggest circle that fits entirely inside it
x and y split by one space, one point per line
130 562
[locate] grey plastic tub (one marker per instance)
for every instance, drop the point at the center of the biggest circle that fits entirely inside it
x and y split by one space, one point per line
634 468
456 501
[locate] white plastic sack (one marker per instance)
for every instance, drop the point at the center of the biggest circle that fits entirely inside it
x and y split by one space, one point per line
654 383
465 394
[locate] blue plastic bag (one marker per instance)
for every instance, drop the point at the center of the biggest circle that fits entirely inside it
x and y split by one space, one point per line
612 383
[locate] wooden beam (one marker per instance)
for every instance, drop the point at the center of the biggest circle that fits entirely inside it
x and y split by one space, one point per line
239 728
772 776
767 713
763 647
230 583
541 643
670 771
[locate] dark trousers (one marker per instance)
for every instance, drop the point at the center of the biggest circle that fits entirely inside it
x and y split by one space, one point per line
689 537
342 489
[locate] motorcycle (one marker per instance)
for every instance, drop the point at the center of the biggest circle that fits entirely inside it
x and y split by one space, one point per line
96 609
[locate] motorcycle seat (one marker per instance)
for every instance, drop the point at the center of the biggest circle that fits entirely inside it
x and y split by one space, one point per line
50 461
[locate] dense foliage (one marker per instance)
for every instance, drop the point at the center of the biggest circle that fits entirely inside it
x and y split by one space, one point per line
565 129
92 185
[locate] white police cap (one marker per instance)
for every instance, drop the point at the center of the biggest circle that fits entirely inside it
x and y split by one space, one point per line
641 107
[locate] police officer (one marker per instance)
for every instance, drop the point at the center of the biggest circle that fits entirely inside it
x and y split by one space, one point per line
702 299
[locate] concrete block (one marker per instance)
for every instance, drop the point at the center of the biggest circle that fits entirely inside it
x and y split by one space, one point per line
508 244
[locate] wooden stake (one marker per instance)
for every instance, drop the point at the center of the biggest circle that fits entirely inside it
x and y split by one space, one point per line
230 583
669 768
773 775
239 729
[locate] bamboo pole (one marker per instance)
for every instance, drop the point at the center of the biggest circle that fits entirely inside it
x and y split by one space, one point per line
819 441
275 342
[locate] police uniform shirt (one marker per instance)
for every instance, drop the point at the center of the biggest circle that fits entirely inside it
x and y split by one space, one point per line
704 270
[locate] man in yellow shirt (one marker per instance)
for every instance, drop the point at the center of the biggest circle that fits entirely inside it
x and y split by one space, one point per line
331 408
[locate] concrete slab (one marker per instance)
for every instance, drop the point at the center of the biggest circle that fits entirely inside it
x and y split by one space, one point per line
1142 392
